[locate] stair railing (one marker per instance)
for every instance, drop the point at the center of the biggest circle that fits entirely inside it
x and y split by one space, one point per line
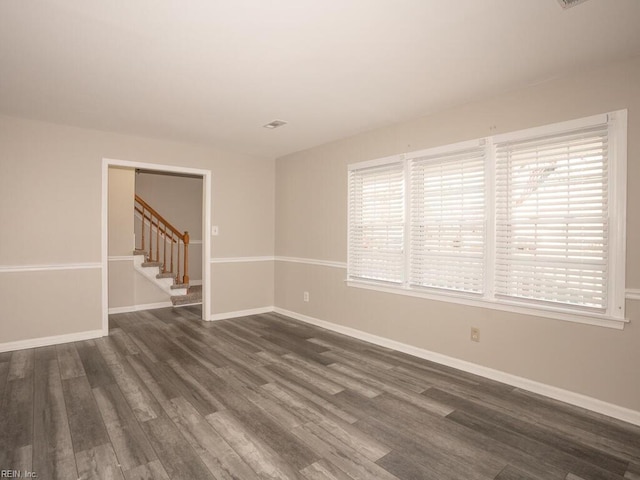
165 235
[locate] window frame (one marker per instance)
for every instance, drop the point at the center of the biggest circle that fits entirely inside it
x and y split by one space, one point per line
439 155
614 314
392 163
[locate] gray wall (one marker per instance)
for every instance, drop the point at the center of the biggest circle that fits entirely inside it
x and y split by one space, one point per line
179 200
127 287
311 222
51 184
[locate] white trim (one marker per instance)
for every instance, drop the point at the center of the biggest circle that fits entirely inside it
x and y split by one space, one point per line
617 122
195 282
206 226
498 304
632 294
573 398
406 267
444 149
105 246
155 166
207 207
44 268
47 341
121 258
378 162
600 119
240 313
187 304
137 308
313 261
267 258
241 259
537 311
489 221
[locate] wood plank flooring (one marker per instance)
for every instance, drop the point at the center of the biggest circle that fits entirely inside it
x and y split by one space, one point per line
167 396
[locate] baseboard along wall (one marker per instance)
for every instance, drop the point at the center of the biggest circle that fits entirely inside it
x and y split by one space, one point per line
53 340
137 308
573 398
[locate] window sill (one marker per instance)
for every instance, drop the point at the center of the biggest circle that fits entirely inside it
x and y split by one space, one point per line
495 304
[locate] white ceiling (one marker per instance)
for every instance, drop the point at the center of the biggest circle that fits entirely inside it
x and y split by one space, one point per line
215 71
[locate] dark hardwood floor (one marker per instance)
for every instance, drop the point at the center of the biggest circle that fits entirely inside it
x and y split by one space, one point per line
167 396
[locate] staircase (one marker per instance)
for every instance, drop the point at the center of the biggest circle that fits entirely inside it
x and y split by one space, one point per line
163 255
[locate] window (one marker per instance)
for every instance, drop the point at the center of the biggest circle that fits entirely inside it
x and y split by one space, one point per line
552 217
376 230
447 219
531 221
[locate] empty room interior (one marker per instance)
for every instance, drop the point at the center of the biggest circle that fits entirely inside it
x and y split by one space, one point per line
301 239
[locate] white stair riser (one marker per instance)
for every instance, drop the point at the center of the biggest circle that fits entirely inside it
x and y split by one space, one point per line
151 272
165 281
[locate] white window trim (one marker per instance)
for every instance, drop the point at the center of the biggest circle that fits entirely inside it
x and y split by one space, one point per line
502 305
376 163
614 317
618 222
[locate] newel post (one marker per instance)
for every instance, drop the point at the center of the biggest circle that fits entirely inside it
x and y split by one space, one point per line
185 278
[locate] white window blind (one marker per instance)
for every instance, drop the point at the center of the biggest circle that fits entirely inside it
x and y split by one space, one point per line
552 218
447 201
532 221
376 223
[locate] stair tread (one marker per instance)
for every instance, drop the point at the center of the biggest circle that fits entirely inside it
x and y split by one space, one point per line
151 264
179 285
186 299
194 295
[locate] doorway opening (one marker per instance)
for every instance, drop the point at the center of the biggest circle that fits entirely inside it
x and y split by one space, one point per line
112 165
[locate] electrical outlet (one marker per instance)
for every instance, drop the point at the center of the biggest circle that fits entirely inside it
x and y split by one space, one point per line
215 230
305 296
475 334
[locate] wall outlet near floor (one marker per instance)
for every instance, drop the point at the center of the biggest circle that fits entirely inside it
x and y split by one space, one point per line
475 334
305 296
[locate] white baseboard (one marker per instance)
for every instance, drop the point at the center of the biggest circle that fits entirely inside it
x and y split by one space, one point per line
566 396
240 313
195 282
590 403
187 305
137 308
47 341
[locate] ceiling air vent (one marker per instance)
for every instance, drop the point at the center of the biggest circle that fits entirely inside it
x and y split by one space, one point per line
275 124
569 3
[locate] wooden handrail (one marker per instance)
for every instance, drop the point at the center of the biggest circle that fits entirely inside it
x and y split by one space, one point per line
178 233
168 233
155 224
